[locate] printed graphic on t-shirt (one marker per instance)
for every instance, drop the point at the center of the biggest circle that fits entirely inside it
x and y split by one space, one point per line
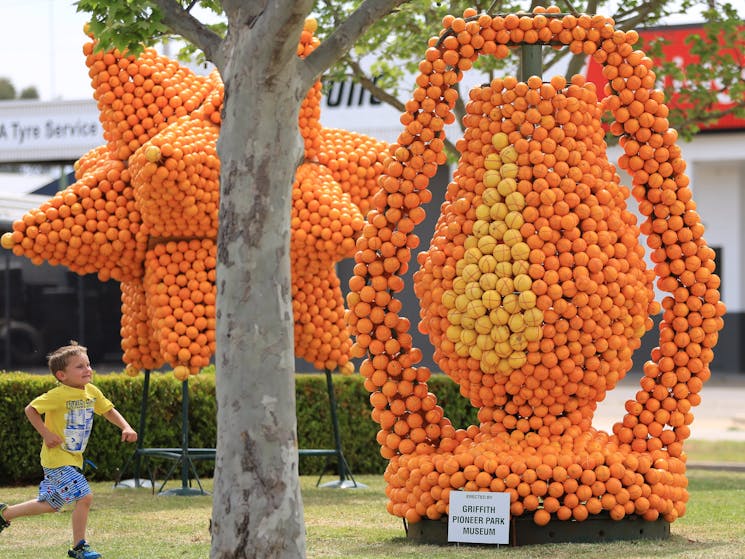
78 425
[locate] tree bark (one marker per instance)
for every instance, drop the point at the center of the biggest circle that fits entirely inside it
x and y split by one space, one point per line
257 507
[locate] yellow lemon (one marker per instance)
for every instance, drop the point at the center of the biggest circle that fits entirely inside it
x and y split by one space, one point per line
520 266
512 237
473 255
533 316
6 241
506 186
475 309
516 322
532 333
471 272
518 341
500 333
448 298
491 299
488 281
482 211
474 291
503 349
523 282
515 201
504 270
520 251
459 285
508 170
455 316
468 337
517 359
491 178
492 161
505 286
487 263
514 220
502 253
453 333
491 196
508 154
527 300
500 140
480 228
483 325
499 316
510 303
484 342
486 244
461 303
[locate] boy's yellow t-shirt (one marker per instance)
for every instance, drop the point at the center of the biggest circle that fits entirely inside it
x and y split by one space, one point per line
68 412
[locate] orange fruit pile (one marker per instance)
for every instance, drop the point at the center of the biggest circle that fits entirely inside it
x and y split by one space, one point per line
144 211
534 290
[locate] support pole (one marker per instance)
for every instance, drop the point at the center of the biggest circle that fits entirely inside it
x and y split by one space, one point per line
7 311
531 61
185 454
143 424
136 458
81 310
346 480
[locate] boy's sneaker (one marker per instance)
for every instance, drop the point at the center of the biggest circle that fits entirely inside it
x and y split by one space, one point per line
3 523
83 551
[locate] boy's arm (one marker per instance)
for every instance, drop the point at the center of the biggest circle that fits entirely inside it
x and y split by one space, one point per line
128 434
34 417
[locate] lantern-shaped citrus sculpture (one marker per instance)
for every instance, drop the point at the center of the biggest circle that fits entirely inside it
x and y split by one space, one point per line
534 290
144 211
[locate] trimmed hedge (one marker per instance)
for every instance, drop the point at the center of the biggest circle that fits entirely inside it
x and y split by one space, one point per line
19 450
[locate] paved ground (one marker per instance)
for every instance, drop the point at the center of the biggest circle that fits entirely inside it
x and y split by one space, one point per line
720 416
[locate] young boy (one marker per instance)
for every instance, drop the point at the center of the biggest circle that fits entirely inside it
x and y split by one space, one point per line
68 418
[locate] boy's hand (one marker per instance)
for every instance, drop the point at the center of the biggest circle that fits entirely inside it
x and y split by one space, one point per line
52 439
129 435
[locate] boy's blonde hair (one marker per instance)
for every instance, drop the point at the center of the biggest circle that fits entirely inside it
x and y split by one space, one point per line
60 357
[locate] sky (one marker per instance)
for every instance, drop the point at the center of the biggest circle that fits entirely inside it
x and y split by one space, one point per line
41 43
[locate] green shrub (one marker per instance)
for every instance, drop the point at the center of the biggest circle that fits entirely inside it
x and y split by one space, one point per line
19 452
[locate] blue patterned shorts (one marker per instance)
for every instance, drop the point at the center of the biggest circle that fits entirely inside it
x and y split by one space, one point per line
63 485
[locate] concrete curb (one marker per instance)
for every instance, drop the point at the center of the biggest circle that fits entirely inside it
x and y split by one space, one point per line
716 466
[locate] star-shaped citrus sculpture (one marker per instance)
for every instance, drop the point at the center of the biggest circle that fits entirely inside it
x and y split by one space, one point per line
144 211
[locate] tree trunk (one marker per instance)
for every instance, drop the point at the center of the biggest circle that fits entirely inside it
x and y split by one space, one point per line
257 507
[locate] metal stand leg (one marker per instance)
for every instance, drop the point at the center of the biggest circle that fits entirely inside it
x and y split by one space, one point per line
346 479
185 459
136 458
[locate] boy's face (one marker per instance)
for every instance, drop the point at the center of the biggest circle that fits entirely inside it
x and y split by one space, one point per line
78 372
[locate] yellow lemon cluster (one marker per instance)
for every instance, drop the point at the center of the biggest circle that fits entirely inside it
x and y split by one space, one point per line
491 308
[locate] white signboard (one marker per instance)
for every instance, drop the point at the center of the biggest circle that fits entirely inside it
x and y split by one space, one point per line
479 517
48 131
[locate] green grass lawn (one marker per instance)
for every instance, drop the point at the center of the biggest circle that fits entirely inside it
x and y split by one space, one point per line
353 523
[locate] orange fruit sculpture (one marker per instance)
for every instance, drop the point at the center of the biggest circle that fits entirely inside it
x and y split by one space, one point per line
535 290
144 211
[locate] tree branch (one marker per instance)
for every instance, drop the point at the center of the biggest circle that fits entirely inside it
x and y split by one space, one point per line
641 15
344 36
364 80
181 22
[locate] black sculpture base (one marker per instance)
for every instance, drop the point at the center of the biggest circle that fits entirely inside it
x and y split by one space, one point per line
523 531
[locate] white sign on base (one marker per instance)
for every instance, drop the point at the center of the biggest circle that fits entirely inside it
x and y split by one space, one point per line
479 517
